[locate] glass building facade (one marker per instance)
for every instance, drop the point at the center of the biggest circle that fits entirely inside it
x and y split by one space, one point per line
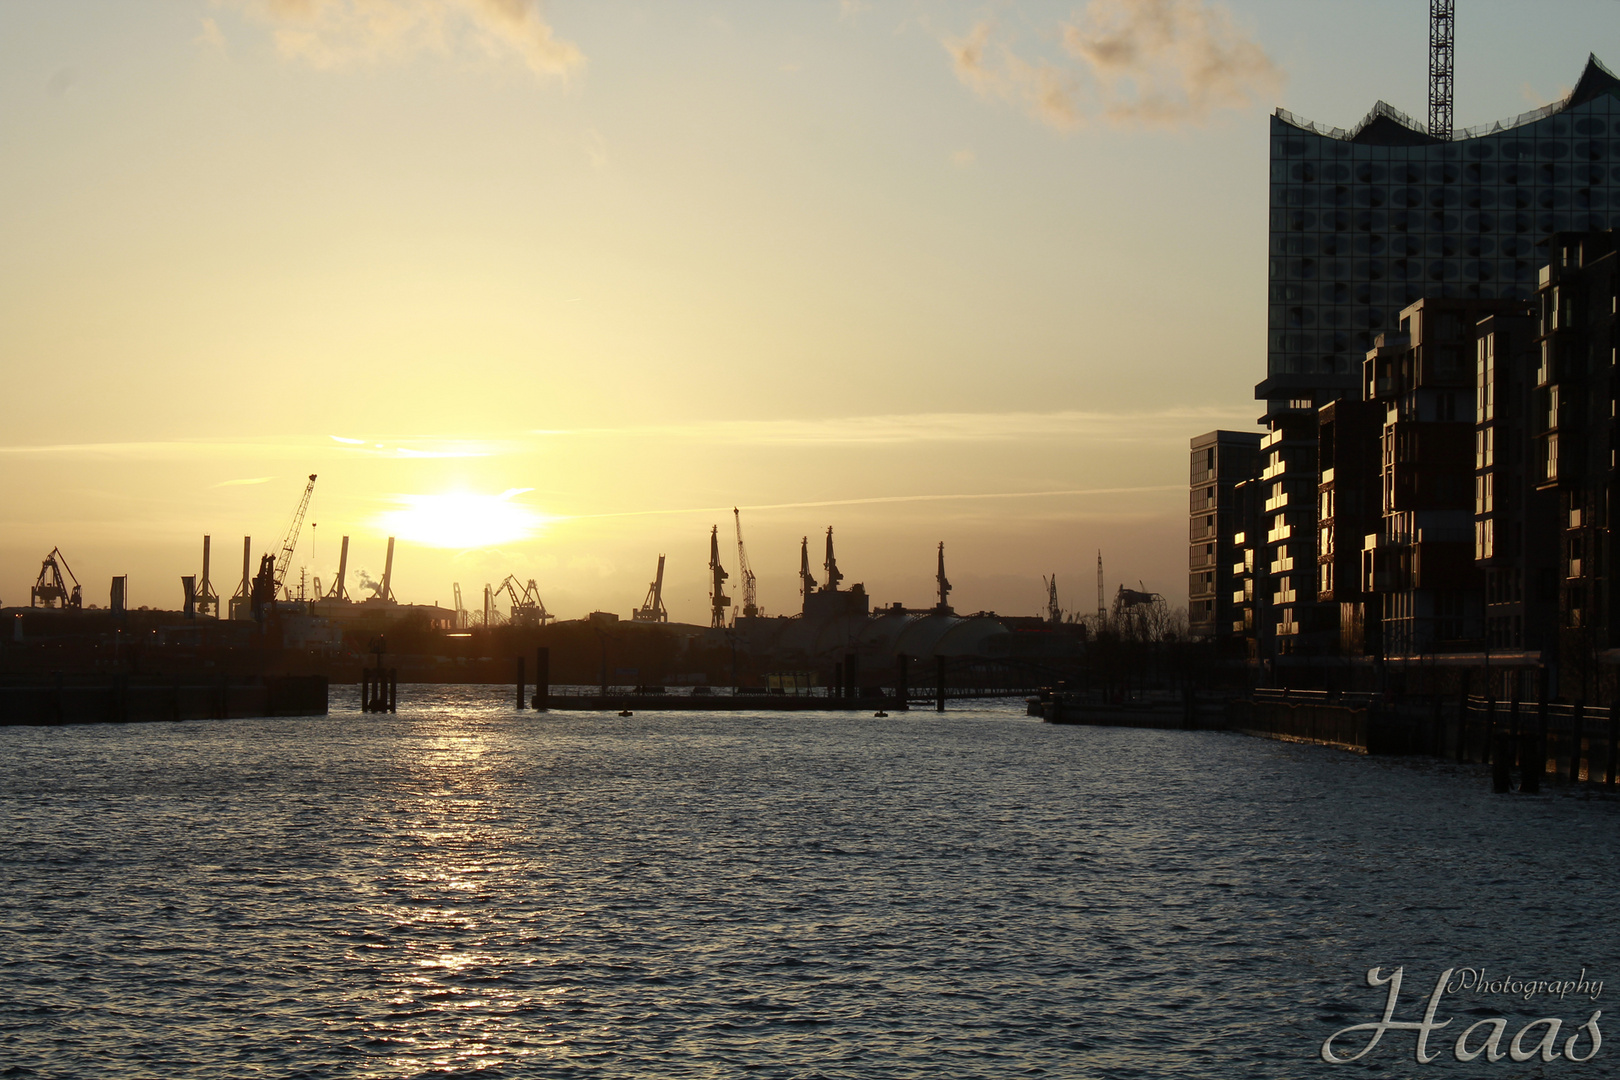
1366 221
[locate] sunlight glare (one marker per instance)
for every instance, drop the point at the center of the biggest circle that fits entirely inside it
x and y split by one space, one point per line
462 519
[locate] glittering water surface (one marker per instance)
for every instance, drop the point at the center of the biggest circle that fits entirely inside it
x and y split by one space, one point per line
464 889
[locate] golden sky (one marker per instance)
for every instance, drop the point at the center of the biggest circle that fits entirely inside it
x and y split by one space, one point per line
546 290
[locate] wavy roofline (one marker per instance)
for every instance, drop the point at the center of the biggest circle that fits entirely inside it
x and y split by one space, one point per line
1386 125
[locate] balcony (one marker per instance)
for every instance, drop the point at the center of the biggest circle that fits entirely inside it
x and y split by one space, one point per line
1276 502
1281 532
1281 565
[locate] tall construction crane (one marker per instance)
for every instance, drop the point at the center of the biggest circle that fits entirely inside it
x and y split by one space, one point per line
831 566
944 586
1054 614
527 607
50 589
340 589
461 612
383 591
718 600
1442 70
207 598
290 542
750 608
652 608
1102 609
807 580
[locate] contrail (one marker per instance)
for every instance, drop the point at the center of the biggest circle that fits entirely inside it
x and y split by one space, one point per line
880 499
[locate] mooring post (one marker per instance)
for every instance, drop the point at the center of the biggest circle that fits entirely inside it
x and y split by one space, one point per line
542 678
520 682
365 679
1488 751
1533 759
902 690
939 684
393 689
837 687
1576 735
852 676
1513 729
1462 715
1614 742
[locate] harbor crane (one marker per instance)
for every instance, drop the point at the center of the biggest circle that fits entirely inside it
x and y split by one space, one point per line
527 607
944 586
289 543
652 609
340 590
807 580
206 597
383 591
461 612
51 589
750 606
718 600
831 566
1054 614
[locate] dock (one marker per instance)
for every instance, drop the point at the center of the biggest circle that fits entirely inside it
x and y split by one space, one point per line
719 703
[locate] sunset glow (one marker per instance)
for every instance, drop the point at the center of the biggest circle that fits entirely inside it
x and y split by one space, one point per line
462 520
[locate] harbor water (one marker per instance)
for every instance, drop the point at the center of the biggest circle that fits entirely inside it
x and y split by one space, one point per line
462 889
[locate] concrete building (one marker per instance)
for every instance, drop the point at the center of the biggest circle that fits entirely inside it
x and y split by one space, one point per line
1515 533
1220 460
1574 412
1348 442
1421 560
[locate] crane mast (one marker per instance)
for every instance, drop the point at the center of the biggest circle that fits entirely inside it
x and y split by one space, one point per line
943 585
831 565
652 608
807 580
750 606
1442 70
290 542
718 600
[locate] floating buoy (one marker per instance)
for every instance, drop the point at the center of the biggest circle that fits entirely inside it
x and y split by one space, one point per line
880 714
626 712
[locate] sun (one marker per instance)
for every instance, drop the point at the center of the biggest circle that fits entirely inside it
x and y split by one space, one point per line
462 519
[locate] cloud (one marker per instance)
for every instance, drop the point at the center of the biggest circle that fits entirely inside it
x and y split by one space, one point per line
341 33
1069 425
1170 62
1131 63
1045 90
211 35
244 482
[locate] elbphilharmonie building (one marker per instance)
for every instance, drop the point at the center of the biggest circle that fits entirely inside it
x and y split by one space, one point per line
1364 221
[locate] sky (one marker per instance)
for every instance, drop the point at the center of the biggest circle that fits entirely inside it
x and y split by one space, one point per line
546 290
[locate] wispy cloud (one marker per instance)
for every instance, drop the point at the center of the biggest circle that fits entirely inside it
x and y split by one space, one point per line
244 482
931 427
878 500
341 33
1134 63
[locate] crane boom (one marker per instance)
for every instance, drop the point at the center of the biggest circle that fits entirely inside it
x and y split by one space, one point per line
750 606
718 600
290 542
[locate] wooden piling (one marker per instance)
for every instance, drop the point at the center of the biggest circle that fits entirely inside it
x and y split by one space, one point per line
542 678
939 688
902 688
520 682
1576 736
1614 742
393 689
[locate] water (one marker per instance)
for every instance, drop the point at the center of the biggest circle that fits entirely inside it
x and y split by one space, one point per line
460 889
